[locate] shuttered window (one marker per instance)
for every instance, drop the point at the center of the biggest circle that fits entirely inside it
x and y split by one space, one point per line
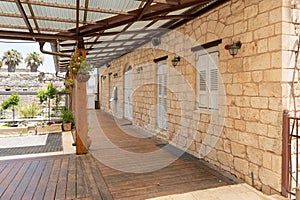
208 79
162 121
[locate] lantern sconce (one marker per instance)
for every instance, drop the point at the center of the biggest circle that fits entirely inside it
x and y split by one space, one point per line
139 69
233 48
175 61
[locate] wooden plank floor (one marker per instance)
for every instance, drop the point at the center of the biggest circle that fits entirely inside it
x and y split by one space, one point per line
186 174
54 177
85 177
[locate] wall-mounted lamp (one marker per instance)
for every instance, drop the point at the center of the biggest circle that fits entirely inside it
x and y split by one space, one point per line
175 61
115 75
233 48
108 65
139 69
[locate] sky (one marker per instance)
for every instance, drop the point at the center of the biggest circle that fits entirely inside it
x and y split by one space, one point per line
25 47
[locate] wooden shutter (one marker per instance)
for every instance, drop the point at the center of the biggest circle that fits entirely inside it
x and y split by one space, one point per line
208 80
162 96
213 80
203 81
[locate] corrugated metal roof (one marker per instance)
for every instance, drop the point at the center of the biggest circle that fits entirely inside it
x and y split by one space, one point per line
105 25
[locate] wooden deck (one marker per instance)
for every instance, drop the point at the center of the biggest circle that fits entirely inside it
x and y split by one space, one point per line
84 177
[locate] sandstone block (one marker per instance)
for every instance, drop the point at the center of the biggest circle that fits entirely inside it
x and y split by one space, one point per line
234 89
270 89
250 89
225 158
257 128
270 117
243 77
242 101
238 150
234 112
250 114
270 178
241 165
249 139
257 76
259 102
270 144
255 155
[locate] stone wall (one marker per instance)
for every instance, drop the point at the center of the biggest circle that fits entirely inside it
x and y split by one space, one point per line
256 85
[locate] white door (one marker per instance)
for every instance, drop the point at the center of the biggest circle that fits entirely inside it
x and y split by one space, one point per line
162 96
128 93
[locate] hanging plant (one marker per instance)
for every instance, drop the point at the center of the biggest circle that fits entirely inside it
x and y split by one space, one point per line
34 60
80 68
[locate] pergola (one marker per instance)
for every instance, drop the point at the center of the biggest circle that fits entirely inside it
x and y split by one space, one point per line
105 29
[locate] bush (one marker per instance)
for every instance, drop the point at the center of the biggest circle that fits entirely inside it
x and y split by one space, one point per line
29 110
67 116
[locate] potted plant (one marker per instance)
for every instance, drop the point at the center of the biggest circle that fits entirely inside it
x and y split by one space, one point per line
34 60
80 68
67 118
84 71
12 58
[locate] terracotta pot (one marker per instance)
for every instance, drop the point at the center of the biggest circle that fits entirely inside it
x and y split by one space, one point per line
67 126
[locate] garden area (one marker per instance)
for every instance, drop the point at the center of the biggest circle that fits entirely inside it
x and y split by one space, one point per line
48 113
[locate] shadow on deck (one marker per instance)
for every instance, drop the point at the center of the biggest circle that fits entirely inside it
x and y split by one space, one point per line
92 177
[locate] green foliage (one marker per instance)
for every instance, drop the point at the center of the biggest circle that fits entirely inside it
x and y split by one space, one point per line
48 93
12 57
12 101
34 59
67 116
29 110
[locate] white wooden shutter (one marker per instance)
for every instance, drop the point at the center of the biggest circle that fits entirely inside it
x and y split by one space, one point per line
203 78
162 96
208 80
213 80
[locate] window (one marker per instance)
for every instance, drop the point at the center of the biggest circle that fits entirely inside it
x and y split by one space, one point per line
208 78
162 117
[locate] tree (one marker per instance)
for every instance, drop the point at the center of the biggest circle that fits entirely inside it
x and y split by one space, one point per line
11 102
46 95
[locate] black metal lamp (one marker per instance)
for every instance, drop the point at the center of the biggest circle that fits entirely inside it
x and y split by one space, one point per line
233 48
175 61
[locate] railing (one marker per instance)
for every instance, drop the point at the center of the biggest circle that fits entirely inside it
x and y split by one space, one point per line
290 155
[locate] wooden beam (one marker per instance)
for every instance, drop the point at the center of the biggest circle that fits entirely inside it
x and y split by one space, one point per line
38 36
166 17
103 42
24 16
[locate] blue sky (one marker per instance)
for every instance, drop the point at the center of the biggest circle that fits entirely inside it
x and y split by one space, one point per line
25 47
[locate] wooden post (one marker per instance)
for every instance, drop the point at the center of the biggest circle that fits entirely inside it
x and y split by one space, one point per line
81 113
81 118
285 154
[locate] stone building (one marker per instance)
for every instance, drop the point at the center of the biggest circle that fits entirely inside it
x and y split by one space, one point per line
223 108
